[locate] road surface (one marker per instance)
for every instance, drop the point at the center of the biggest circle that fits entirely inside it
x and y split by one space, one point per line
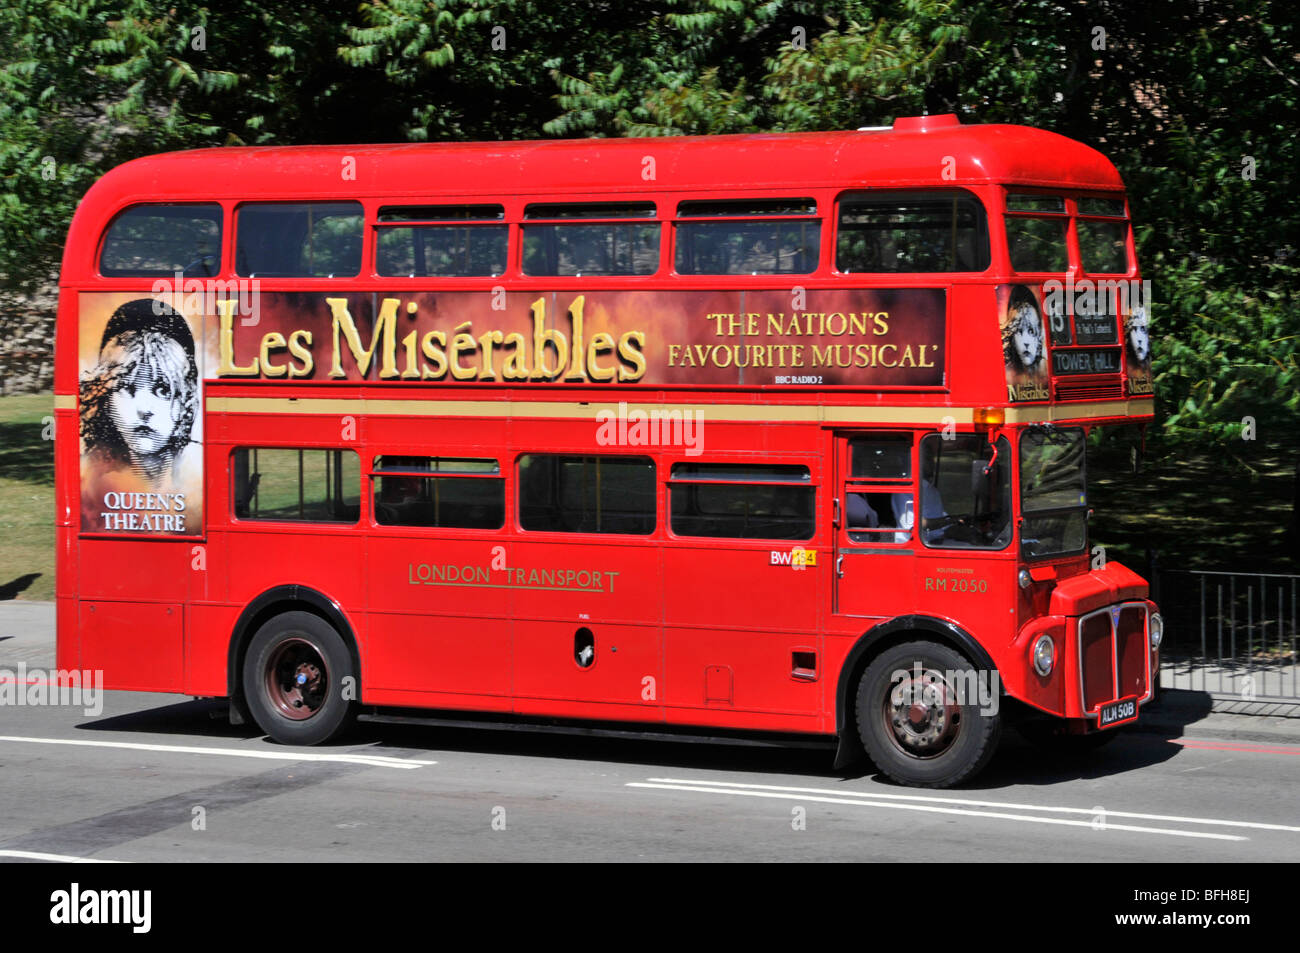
157 778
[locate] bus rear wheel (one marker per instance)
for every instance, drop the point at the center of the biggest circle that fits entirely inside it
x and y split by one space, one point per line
915 724
296 675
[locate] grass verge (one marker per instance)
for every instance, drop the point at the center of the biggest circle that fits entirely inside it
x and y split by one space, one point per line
27 497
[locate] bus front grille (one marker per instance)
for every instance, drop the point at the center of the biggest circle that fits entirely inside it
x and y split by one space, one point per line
1113 657
1131 650
1096 660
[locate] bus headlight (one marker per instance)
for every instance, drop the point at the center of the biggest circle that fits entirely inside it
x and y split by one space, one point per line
1024 579
1156 629
1044 652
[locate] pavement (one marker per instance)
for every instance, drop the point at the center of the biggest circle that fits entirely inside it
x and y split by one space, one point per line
26 634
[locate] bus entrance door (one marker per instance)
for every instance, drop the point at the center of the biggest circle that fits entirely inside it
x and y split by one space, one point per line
875 560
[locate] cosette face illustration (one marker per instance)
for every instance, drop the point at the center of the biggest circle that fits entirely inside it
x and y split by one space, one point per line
146 408
1028 337
1139 339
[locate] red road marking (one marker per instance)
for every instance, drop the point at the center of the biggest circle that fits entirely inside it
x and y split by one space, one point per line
1293 750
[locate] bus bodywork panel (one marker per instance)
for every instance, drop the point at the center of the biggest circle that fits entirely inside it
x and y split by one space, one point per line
694 617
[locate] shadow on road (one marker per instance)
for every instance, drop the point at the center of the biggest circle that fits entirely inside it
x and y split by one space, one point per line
1174 712
205 718
1020 762
1017 762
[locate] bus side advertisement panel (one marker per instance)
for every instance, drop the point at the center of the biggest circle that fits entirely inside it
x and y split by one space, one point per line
890 337
140 420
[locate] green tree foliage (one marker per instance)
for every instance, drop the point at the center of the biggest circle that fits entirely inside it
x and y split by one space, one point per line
1183 95
717 66
85 86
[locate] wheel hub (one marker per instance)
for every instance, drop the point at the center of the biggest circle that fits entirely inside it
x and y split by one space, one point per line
922 714
297 679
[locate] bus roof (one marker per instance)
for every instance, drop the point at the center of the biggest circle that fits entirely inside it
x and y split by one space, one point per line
914 152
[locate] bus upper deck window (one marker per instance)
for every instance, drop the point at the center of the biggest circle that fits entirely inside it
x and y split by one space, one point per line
1036 242
156 241
938 231
298 240
590 238
441 241
1103 241
748 237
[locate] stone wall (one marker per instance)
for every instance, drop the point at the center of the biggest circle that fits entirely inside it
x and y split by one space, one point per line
27 343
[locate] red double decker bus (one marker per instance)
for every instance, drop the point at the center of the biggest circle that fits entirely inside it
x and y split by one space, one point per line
766 433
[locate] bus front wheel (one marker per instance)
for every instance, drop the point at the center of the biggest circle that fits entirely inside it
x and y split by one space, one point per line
917 720
299 680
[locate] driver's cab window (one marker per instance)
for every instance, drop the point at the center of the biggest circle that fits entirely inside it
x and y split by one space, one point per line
878 489
965 492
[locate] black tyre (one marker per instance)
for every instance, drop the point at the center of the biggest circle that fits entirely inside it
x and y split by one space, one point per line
916 729
298 679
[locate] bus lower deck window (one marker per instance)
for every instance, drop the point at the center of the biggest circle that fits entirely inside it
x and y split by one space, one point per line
298 485
878 493
580 494
742 501
438 492
965 492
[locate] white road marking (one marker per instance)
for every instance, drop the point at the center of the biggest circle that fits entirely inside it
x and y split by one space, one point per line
1101 820
1257 825
57 858
1202 767
369 760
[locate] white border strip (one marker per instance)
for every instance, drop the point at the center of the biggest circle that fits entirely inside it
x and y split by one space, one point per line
55 858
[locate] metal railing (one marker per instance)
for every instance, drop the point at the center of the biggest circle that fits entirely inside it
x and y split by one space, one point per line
1232 635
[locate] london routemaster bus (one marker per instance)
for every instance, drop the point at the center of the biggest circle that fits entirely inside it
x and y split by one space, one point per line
781 434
